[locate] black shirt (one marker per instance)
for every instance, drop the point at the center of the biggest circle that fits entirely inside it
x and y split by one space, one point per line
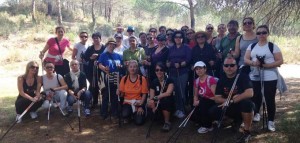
224 85
204 54
155 85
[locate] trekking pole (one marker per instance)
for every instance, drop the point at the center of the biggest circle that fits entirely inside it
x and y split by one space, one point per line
64 114
48 117
180 88
264 104
226 105
152 120
119 100
42 66
109 101
78 114
24 112
174 137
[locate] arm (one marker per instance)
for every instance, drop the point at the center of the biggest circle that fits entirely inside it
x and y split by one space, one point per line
74 53
219 99
247 59
21 90
38 87
168 92
248 93
63 86
42 53
278 61
237 50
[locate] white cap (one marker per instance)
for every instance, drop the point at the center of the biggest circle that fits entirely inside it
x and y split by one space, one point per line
199 64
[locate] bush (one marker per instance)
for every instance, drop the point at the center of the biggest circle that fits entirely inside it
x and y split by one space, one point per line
105 29
7 26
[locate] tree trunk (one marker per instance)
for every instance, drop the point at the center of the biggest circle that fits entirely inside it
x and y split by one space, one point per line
93 15
33 11
83 12
59 12
109 11
192 13
49 7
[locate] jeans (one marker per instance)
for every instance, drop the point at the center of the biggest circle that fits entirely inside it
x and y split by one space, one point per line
113 101
180 87
86 97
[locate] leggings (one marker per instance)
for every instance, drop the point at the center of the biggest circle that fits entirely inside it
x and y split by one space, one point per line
22 103
269 92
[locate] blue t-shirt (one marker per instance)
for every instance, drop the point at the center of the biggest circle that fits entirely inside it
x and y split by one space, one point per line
106 60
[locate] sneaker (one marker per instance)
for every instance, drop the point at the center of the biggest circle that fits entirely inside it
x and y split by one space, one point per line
33 115
176 113
271 126
180 115
69 109
87 112
17 117
244 138
256 118
203 130
166 127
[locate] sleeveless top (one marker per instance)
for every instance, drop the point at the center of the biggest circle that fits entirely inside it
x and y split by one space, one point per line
30 90
243 47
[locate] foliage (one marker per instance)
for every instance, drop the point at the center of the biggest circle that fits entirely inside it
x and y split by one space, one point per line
7 26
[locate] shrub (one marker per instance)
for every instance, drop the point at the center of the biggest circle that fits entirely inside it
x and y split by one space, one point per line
7 26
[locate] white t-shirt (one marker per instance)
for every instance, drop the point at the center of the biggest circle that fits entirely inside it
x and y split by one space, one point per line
80 49
270 73
51 83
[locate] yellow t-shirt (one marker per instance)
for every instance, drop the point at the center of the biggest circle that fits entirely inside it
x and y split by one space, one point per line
133 89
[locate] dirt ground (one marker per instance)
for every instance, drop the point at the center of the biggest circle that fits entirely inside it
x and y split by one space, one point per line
94 129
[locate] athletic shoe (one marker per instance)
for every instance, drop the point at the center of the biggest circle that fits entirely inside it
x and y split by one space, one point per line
87 112
69 109
17 117
180 115
176 113
203 130
166 127
33 115
244 138
256 118
271 126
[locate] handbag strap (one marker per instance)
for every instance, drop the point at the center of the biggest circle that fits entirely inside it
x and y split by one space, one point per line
58 47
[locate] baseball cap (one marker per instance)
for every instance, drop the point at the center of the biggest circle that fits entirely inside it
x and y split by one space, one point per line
130 28
199 64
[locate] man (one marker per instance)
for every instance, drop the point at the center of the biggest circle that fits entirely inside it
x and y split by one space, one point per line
130 32
77 88
241 108
162 30
120 30
143 40
120 48
79 49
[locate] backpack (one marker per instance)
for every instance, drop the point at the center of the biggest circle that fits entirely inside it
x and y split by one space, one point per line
140 77
207 81
270 45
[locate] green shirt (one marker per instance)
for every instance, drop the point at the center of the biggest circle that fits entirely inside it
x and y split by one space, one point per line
138 54
227 44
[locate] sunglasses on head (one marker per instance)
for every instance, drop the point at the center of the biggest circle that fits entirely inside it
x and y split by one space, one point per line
34 67
262 33
248 23
159 70
229 65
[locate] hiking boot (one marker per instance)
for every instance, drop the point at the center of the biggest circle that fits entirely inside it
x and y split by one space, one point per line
33 115
17 117
87 112
256 117
166 127
203 130
271 126
244 138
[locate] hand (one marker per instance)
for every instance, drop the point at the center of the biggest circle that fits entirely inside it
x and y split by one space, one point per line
211 63
222 105
151 104
94 56
126 63
196 103
256 63
118 92
183 64
106 70
35 99
79 93
168 64
177 65
219 55
140 111
138 104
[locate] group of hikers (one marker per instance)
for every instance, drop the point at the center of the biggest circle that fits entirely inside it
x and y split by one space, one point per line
160 73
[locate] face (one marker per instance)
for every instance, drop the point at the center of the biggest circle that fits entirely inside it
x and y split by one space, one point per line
49 68
161 43
143 38
60 32
130 32
190 34
119 40
83 37
200 71
230 67
232 28
150 38
209 29
132 68
162 31
111 46
184 29
222 29
34 68
132 42
74 66
169 35
178 38
262 34
96 40
201 38
120 30
152 31
159 72
248 25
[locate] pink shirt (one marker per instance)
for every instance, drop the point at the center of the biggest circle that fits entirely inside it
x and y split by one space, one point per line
203 89
54 50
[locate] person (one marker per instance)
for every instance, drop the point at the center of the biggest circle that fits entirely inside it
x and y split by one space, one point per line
160 54
241 107
184 29
153 31
190 34
133 88
79 50
55 51
93 73
77 88
161 100
54 87
169 37
260 56
120 48
29 86
149 51
178 64
110 63
143 40
244 41
210 31
203 51
221 34
120 30
204 92
162 30
130 32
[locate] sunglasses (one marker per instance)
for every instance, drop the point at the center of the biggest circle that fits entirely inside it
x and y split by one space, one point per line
49 67
83 36
262 33
189 33
153 31
34 67
159 70
74 64
248 23
210 28
150 38
201 36
229 65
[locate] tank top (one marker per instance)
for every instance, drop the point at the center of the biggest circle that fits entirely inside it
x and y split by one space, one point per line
30 90
243 47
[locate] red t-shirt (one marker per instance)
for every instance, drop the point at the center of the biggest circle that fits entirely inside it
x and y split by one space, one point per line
203 89
54 50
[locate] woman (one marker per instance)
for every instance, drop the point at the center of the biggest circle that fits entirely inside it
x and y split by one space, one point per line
204 52
79 50
120 48
149 51
190 38
133 87
110 63
161 90
56 47
210 31
29 86
221 34
178 60
54 87
77 88
244 41
264 58
93 73
169 37
204 92
160 54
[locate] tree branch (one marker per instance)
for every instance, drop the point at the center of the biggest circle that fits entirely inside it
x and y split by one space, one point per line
170 2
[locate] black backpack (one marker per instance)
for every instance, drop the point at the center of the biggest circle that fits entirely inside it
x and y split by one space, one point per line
270 45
